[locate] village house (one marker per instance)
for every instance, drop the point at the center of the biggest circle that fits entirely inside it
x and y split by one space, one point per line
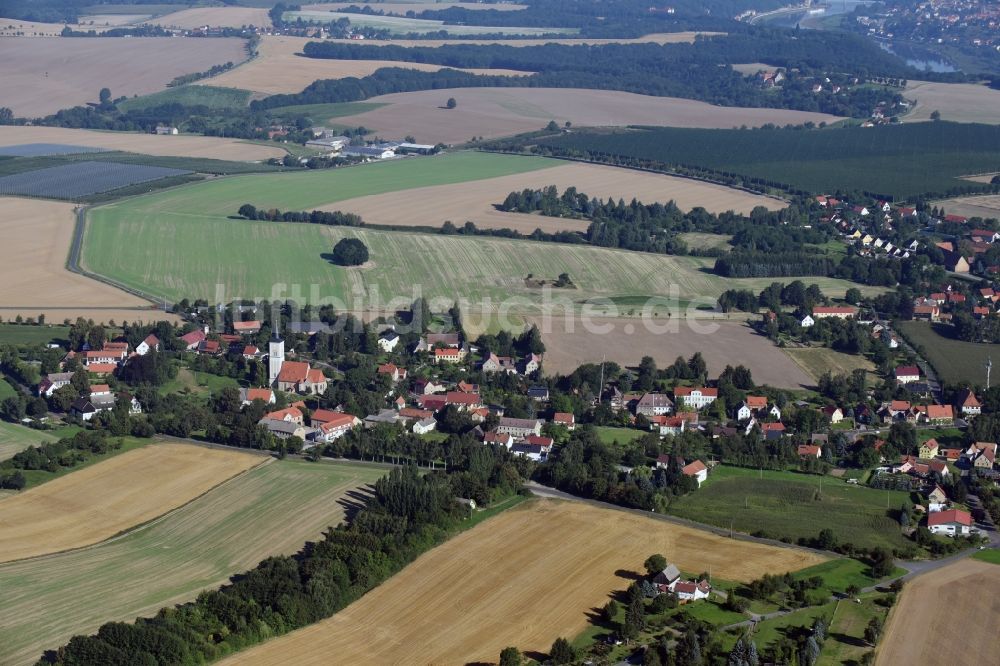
665 579
193 339
432 340
695 397
937 495
392 371
425 426
298 377
150 343
981 455
285 429
654 404
427 387
519 428
246 327
251 352
834 413
928 449
838 312
772 431
810 451
449 355
907 373
332 425
100 399
752 406
534 447
248 395
290 414
539 393
565 419
388 341
463 401
697 470
667 425
807 321
940 415
967 403
926 313
953 522
54 381
500 438
688 591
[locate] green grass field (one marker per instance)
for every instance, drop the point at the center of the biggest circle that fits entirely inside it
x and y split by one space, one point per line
6 390
399 25
272 509
992 556
15 438
191 95
609 435
184 243
791 505
954 360
202 383
323 112
23 334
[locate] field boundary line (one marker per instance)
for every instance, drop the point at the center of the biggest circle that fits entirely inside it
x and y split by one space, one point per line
143 525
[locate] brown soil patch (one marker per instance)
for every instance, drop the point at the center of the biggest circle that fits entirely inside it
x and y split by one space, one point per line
100 501
216 17
986 206
522 578
958 102
44 75
731 343
278 68
965 593
475 201
147 144
33 271
494 112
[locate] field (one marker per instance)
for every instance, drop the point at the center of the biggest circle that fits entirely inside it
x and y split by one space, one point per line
204 95
495 112
846 632
149 144
957 102
652 38
102 500
731 343
30 334
476 201
706 241
985 206
216 17
954 360
15 438
398 25
898 161
969 590
279 69
73 181
502 583
417 6
816 361
33 269
788 504
48 74
272 509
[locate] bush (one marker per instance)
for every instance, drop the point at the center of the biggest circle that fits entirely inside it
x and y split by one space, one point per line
350 252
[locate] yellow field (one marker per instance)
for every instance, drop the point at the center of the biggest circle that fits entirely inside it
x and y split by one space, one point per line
33 275
494 112
957 102
523 578
816 361
46 74
100 501
216 17
965 592
475 201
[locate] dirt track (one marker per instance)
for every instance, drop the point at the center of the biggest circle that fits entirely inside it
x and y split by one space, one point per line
147 144
494 112
98 502
475 201
523 578
964 594
46 74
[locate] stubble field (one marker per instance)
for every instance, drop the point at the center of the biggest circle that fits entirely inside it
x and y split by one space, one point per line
729 343
495 112
986 206
958 102
431 206
819 360
97 502
216 17
522 578
416 6
47 74
964 592
272 509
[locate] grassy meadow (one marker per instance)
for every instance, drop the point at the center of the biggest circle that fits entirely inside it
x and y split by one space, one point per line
791 505
271 509
15 438
954 360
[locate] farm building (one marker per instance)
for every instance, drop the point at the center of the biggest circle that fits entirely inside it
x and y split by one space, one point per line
954 522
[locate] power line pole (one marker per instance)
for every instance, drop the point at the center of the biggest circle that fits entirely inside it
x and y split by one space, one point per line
989 366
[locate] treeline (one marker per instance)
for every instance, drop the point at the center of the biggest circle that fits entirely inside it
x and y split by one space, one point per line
51 457
197 76
138 31
774 264
408 514
330 218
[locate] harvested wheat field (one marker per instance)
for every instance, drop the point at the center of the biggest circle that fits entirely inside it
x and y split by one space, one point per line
476 201
626 341
100 501
494 112
982 177
961 595
985 206
216 17
279 69
16 28
403 7
147 144
271 510
47 74
33 262
816 361
522 578
957 102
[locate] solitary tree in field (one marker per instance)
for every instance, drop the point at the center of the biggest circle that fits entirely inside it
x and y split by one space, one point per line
451 103
6 116
105 95
350 252
935 115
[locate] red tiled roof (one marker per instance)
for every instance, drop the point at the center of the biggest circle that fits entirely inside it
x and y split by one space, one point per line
279 415
687 390
246 326
102 368
462 398
693 468
259 394
832 309
563 417
293 372
940 412
756 401
950 516
907 371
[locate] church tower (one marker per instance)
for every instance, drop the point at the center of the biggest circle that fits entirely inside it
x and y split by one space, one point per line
275 357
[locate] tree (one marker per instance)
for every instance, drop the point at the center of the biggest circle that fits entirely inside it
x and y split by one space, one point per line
6 116
935 115
510 656
882 562
105 96
610 611
655 564
562 652
451 103
873 630
853 296
350 252
552 127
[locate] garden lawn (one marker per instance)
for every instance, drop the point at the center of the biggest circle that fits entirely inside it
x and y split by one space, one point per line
845 640
610 435
791 506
